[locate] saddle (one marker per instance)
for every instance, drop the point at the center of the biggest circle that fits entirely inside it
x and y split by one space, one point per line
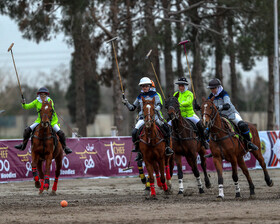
195 129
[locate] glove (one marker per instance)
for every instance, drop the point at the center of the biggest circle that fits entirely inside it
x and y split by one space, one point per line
124 101
23 101
196 106
220 107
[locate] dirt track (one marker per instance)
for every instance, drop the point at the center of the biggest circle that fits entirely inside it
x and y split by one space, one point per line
122 200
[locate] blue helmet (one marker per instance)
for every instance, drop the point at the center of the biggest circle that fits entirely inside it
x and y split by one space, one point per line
43 90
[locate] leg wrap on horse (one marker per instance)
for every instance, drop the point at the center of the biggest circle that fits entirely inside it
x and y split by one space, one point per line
62 140
26 136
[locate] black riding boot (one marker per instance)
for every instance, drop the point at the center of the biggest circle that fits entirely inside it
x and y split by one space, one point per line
62 140
250 145
245 131
135 141
26 136
202 135
168 150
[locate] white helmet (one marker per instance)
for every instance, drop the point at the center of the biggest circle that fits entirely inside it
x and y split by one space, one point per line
145 81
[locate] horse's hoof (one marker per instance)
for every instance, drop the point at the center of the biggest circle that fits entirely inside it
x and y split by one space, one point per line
219 198
168 192
253 196
37 184
180 194
237 195
53 193
208 185
151 197
271 183
41 192
201 191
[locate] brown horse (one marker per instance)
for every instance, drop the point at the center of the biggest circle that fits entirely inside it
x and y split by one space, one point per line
152 146
186 143
225 145
45 147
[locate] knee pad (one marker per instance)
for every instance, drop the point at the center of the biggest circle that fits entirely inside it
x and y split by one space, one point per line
243 126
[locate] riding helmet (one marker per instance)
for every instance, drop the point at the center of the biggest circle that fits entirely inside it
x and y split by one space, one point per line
145 81
182 81
43 90
213 83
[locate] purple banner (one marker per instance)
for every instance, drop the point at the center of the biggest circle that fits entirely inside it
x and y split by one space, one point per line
91 157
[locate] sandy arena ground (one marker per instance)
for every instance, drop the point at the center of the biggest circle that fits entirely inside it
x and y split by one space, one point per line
122 200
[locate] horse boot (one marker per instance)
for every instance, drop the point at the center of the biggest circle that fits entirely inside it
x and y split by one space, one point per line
62 140
168 150
26 136
245 131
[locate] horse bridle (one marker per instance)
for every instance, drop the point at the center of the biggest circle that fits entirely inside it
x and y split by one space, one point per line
212 116
45 114
149 114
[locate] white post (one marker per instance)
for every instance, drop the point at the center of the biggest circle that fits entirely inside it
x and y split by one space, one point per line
276 67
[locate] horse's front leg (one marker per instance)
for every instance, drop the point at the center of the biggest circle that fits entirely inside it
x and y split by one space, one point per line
219 167
235 178
201 153
34 163
168 170
58 166
47 171
191 158
156 169
180 173
242 165
151 179
41 175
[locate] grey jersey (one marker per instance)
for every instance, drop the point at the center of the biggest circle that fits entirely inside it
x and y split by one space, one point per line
222 99
139 103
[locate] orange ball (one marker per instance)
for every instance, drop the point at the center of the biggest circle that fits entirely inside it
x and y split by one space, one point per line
63 203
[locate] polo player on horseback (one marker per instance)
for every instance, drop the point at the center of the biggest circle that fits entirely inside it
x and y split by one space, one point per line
148 94
42 95
185 99
226 108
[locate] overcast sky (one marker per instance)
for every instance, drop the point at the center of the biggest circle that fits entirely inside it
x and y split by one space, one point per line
32 58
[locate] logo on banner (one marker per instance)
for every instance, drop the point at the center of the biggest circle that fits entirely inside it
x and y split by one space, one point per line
65 164
5 167
116 160
88 162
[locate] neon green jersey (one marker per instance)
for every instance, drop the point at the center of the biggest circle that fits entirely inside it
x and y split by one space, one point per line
38 105
186 99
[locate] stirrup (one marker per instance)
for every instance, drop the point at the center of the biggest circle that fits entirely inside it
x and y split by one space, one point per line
138 157
20 147
252 147
208 155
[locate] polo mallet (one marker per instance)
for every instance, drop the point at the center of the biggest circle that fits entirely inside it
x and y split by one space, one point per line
10 49
128 166
148 57
184 43
113 45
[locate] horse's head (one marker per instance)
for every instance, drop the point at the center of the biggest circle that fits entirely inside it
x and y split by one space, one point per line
173 107
46 113
209 112
149 112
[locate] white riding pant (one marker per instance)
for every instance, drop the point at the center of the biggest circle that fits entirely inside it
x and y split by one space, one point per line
56 128
236 119
194 119
141 122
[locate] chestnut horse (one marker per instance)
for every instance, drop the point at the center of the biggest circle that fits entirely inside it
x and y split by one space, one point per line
45 147
152 146
186 143
225 144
